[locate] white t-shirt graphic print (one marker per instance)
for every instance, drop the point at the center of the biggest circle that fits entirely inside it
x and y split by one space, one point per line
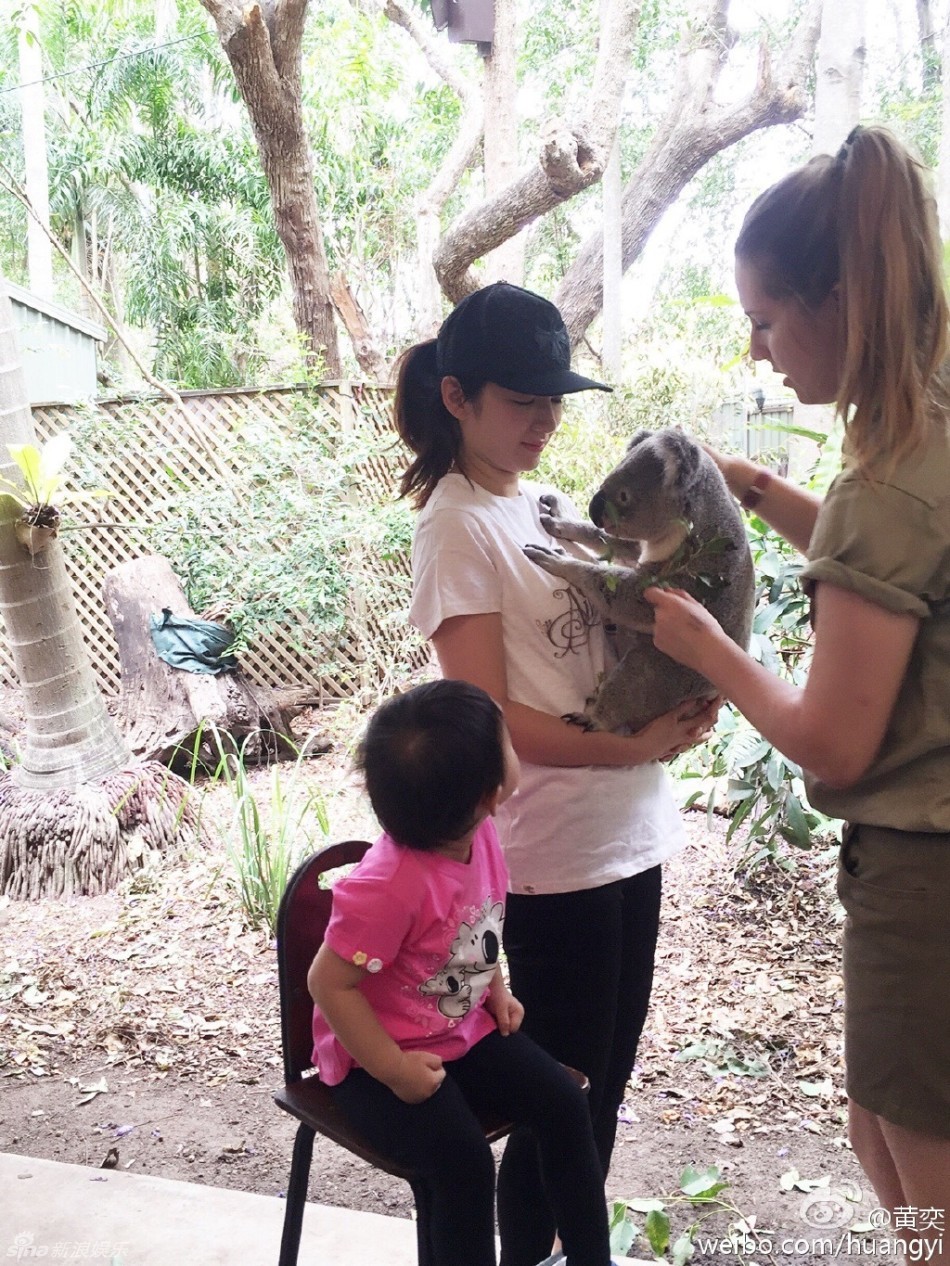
565 828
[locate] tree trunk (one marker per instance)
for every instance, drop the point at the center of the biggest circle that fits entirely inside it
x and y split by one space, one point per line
74 816
931 58
171 715
506 262
370 358
695 129
840 74
263 44
572 157
36 174
943 162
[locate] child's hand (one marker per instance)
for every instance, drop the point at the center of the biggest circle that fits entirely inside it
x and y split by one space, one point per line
418 1076
507 1010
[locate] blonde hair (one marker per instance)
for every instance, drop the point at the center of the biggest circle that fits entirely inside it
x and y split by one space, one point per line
865 221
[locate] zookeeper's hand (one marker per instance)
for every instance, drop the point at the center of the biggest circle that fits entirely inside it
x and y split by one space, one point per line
507 1010
735 470
683 628
417 1077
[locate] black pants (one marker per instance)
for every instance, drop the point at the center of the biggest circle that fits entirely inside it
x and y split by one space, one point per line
582 965
442 1140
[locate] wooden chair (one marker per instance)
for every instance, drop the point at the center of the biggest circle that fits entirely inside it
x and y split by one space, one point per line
301 923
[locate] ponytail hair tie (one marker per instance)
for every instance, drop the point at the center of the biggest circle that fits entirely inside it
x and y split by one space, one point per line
842 155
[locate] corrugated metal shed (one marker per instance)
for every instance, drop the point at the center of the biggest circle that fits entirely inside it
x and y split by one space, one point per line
58 349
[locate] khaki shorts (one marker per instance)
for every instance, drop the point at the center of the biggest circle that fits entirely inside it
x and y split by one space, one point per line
895 888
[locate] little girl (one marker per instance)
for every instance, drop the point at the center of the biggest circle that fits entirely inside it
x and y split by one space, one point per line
414 1027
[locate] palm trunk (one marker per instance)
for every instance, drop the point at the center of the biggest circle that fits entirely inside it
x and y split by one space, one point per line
74 815
70 738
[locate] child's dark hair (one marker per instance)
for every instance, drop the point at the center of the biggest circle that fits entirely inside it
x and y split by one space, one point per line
430 757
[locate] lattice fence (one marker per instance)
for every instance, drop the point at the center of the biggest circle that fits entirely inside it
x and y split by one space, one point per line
148 450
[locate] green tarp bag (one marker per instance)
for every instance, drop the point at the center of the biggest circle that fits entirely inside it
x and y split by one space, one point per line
196 646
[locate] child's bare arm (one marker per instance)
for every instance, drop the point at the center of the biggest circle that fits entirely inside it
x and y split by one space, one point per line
504 1006
412 1076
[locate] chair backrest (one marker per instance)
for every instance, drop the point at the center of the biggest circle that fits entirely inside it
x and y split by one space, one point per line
301 924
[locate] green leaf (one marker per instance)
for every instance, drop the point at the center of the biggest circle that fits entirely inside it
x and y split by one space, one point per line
706 1183
682 1249
622 1230
645 1205
657 1230
815 1089
797 831
52 463
27 458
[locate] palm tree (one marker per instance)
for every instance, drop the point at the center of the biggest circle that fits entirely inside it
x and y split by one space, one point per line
76 814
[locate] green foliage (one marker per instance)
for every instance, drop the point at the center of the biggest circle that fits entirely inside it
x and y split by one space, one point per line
268 836
591 439
720 1058
42 495
164 210
296 542
700 1194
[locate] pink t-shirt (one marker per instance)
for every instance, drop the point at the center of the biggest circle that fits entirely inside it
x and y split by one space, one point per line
427 930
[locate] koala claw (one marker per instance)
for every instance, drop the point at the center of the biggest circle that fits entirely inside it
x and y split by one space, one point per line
548 503
539 552
581 719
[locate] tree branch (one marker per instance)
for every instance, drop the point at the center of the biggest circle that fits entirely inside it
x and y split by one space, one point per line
432 49
693 131
572 157
286 36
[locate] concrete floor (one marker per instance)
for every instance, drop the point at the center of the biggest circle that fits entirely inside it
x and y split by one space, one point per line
71 1213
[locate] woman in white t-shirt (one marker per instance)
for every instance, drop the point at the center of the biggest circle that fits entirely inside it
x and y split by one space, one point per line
593 817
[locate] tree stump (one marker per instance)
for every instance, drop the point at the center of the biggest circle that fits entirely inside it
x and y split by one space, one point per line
170 715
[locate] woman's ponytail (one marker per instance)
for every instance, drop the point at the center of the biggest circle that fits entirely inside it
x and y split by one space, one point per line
866 222
424 424
894 306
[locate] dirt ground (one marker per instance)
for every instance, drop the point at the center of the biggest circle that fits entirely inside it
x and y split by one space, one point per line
140 1030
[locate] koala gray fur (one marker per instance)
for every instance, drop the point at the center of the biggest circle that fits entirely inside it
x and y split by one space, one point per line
665 488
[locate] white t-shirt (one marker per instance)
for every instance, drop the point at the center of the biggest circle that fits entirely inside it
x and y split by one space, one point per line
565 828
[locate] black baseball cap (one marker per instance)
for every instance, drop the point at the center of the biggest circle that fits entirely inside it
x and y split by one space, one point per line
512 337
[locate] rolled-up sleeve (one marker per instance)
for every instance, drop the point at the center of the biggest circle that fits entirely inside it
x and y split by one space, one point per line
880 542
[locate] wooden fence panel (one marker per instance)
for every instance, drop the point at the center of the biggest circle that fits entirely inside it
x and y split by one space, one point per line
150 450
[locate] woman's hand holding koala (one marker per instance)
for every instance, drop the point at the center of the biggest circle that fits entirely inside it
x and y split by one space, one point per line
685 630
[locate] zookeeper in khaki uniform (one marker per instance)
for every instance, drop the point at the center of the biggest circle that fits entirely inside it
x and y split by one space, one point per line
839 268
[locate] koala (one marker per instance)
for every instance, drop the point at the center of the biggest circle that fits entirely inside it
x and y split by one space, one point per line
473 958
663 503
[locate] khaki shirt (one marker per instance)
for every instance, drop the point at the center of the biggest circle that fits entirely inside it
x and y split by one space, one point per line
889 541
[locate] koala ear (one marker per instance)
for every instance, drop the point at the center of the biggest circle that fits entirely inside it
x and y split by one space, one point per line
638 438
683 457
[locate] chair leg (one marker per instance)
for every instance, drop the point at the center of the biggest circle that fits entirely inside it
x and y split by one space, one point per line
296 1195
424 1248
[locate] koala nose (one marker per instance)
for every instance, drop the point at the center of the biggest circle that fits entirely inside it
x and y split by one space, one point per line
596 507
